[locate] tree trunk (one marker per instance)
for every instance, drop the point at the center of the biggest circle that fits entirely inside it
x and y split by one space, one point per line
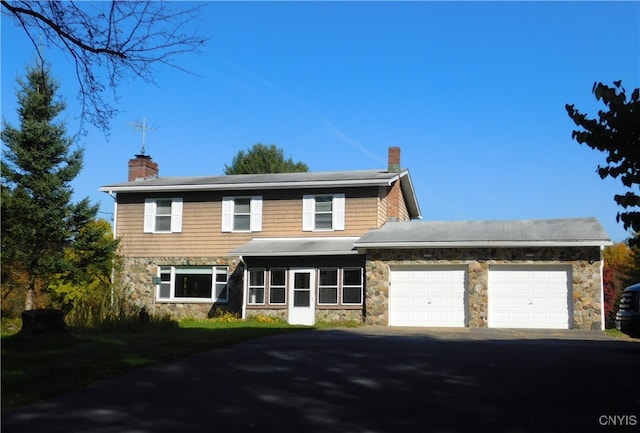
28 300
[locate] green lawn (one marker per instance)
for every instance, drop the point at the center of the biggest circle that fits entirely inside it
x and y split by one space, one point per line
36 368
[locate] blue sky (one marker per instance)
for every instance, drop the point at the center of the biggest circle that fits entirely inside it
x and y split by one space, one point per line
472 92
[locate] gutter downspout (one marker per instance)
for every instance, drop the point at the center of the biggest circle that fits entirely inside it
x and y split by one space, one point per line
244 288
113 269
602 313
115 211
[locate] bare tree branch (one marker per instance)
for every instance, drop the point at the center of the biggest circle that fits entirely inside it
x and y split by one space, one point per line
109 42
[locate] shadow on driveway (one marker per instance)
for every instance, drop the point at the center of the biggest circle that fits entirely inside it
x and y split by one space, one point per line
367 380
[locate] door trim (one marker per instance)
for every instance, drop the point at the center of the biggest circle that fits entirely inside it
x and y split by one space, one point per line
302 315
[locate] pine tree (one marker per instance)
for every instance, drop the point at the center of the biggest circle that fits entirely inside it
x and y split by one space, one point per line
38 164
263 159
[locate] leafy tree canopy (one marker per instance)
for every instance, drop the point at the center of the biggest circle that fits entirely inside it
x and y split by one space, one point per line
263 159
616 131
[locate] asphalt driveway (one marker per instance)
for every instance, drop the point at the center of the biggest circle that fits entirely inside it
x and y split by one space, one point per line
368 380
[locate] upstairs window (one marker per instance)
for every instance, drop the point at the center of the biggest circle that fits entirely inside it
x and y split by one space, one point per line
323 212
242 214
192 284
163 215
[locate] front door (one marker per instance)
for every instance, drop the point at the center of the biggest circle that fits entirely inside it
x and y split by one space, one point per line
302 304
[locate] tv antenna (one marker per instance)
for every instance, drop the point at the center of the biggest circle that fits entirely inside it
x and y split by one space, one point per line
142 126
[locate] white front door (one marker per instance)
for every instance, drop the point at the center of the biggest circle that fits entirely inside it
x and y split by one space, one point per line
302 295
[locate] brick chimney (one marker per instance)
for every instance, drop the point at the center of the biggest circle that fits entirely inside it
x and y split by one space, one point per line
395 195
394 160
141 167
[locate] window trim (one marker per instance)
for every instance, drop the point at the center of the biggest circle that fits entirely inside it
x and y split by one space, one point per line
215 271
343 285
150 214
336 286
228 213
263 286
284 287
337 212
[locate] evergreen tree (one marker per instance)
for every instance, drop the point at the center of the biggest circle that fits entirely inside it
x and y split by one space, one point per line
263 159
38 164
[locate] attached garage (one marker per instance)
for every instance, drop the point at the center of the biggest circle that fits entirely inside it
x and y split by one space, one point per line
427 296
499 274
529 297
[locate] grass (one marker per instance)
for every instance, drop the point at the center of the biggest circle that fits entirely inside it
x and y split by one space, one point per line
36 368
613 332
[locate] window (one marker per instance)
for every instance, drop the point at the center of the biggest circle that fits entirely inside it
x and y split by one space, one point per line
256 286
352 286
278 286
193 284
163 215
328 286
242 214
323 212
334 286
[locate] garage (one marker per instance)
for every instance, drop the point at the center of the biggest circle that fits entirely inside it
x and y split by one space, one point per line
427 296
529 297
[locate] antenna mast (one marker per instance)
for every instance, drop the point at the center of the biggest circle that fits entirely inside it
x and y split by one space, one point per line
142 126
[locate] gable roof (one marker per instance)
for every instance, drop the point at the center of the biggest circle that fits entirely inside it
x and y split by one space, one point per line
514 233
247 182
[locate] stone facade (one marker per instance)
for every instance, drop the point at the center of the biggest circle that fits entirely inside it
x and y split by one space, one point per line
322 315
138 276
585 263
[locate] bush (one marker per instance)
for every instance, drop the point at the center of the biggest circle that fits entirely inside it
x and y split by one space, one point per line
225 317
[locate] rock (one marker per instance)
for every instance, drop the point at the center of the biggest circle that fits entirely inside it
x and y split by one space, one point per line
43 321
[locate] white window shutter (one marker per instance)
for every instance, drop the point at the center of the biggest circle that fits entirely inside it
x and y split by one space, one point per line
227 214
338 211
308 211
176 215
149 215
256 213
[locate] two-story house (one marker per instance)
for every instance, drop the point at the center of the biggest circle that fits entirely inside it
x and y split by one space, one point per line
324 246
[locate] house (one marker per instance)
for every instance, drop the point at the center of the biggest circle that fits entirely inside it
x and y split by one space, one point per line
309 247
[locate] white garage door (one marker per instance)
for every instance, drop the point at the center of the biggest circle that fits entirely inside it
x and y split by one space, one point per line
529 297
427 296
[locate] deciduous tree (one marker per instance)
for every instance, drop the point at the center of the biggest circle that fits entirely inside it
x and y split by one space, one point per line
616 132
619 271
109 42
84 286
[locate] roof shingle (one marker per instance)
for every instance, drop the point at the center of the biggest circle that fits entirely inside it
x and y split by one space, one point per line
567 231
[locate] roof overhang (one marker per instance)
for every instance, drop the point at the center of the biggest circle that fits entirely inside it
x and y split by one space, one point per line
243 186
409 194
280 247
363 246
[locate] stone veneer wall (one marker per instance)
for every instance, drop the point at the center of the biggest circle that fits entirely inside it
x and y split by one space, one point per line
322 315
138 275
585 265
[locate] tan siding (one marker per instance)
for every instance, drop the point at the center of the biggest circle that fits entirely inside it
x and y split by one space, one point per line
403 214
202 219
383 205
